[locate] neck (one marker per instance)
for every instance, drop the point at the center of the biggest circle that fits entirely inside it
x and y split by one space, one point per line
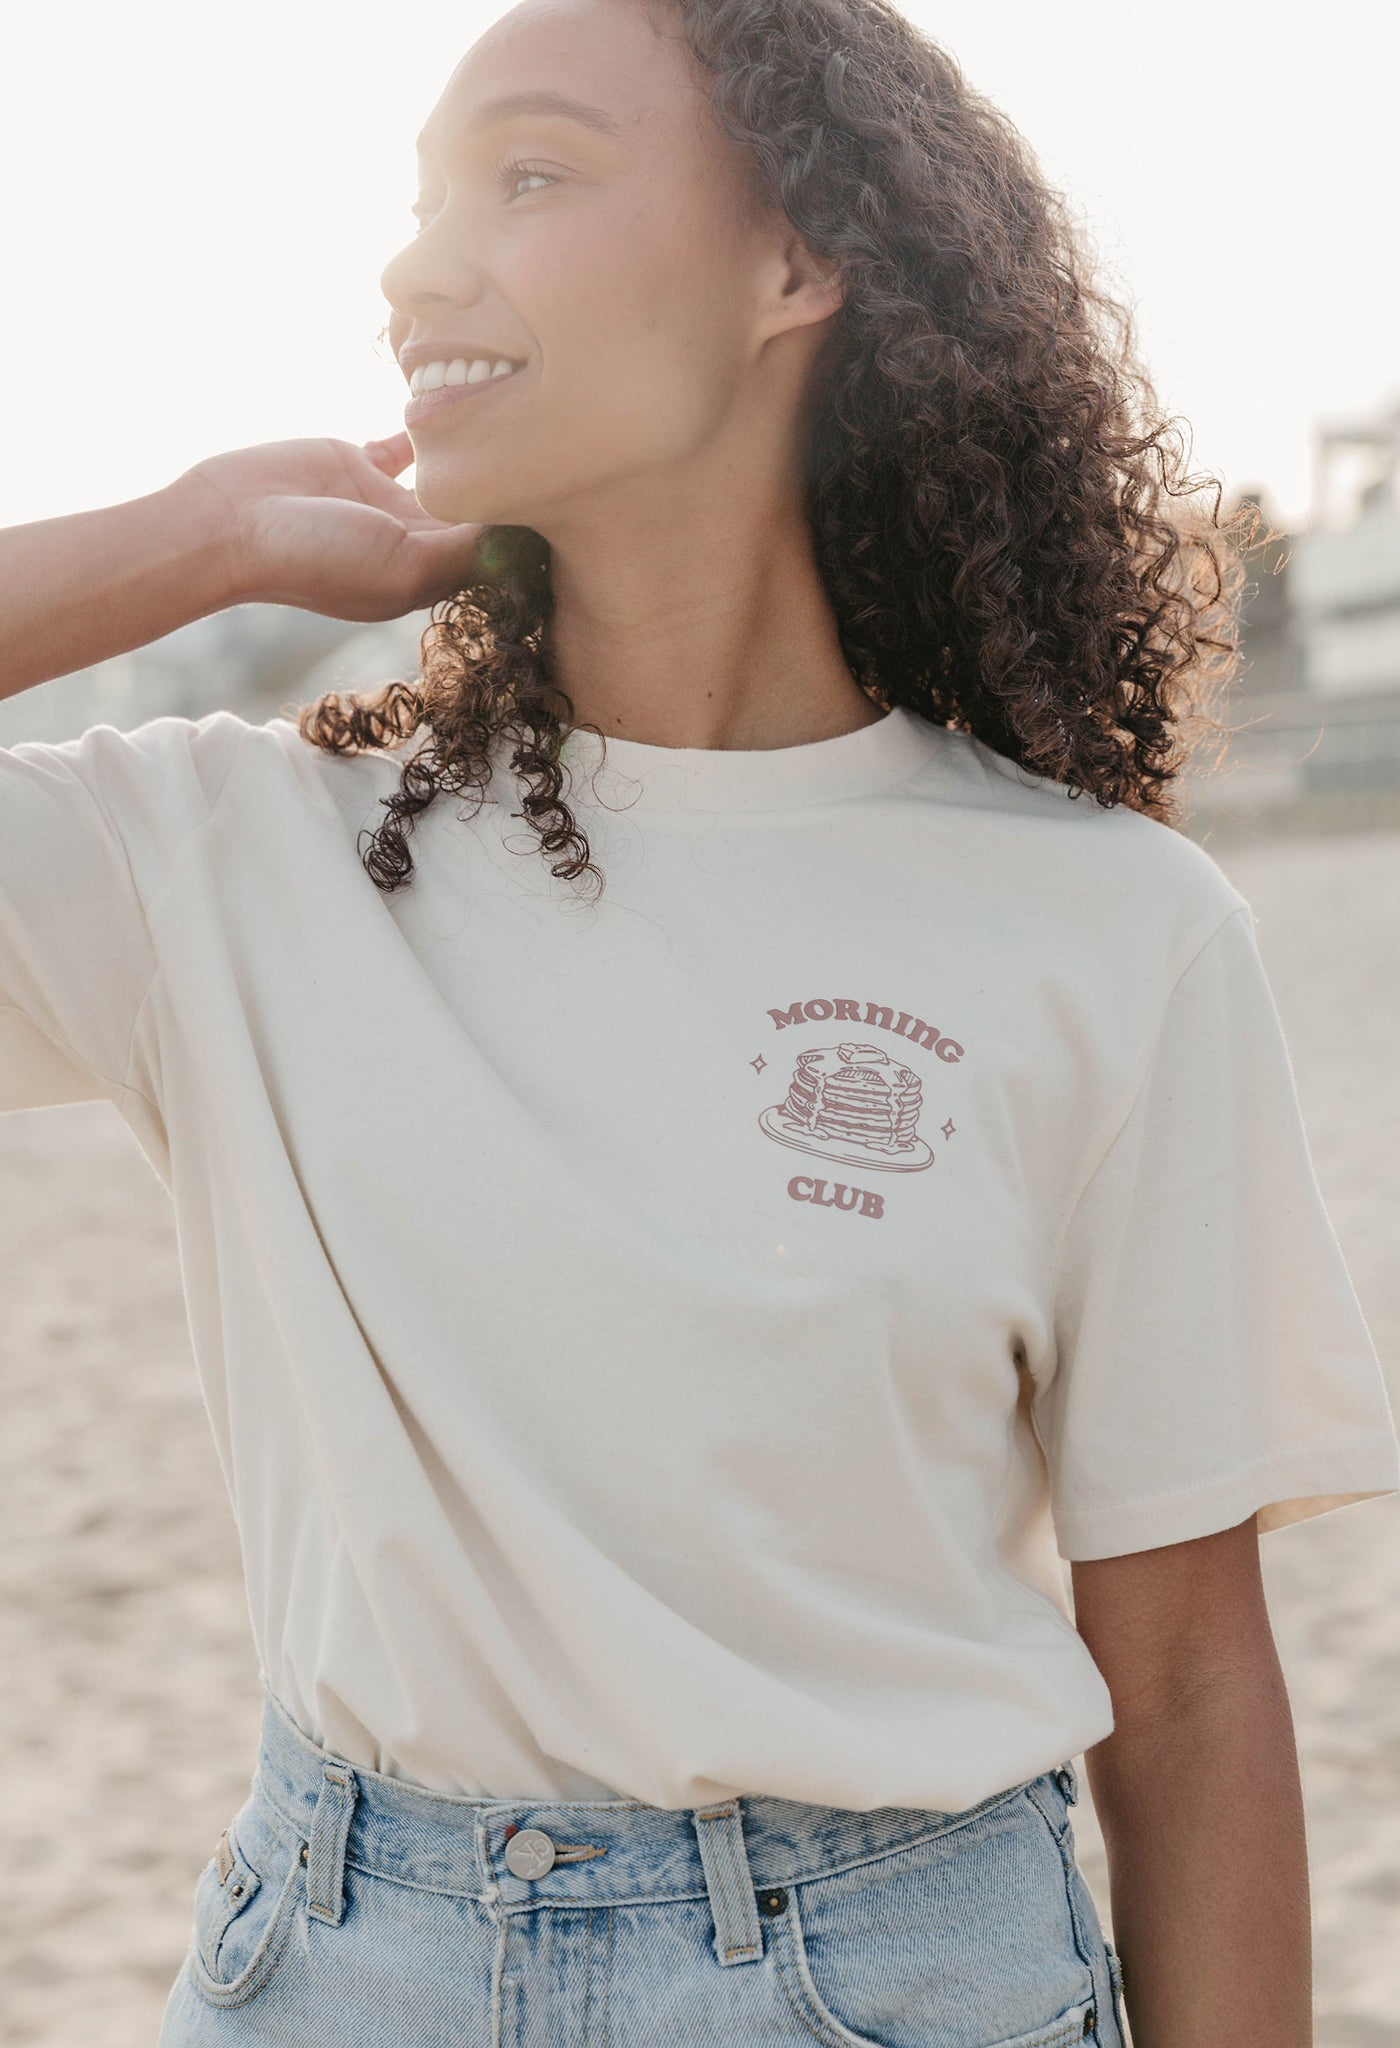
710 629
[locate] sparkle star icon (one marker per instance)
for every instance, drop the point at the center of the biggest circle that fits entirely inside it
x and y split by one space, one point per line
949 1128
759 1064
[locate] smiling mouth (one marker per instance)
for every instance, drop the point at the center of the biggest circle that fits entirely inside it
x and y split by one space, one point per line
421 403
459 370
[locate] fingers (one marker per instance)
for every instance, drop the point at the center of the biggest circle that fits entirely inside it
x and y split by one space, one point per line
391 455
445 560
380 491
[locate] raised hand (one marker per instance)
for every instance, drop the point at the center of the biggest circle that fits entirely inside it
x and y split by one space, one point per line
321 524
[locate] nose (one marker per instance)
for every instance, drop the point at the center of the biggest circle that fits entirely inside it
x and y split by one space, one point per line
428 273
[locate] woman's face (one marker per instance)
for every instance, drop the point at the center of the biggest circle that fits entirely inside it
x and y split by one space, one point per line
608 251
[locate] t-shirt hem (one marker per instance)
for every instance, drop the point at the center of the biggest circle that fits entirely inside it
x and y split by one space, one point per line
1277 1491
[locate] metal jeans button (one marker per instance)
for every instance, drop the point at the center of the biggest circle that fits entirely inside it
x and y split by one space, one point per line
529 1853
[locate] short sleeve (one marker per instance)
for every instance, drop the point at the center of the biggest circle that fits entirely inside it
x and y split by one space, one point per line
1209 1356
89 831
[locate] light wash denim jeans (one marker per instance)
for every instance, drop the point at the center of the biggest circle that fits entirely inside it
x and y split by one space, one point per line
343 1909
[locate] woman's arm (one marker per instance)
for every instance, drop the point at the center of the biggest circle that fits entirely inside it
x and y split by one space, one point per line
77 590
1198 1796
319 524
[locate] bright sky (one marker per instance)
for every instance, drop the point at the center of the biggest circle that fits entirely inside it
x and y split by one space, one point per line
198 203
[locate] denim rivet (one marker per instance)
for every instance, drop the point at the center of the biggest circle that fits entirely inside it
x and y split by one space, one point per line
303 1852
774 1901
1090 2018
236 1891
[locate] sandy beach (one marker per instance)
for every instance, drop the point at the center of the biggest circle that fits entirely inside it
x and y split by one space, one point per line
128 1686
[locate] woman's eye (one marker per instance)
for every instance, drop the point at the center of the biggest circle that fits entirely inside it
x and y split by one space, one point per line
511 171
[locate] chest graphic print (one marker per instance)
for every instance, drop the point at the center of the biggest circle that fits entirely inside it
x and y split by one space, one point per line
854 1100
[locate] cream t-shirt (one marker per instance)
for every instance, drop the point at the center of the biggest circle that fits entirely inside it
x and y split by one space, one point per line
663 1349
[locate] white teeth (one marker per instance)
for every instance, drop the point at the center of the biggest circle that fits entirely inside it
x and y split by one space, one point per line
431 376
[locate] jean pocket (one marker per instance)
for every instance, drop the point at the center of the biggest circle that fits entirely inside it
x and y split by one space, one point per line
1070 2025
907 1961
242 1916
1077 2024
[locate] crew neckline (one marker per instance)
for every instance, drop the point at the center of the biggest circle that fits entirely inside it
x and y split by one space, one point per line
635 775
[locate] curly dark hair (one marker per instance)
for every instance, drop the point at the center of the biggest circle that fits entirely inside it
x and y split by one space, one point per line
1001 513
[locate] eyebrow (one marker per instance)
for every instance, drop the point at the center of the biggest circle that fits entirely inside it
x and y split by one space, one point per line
539 101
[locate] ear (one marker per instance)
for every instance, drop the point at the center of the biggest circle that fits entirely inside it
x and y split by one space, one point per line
814 281
807 288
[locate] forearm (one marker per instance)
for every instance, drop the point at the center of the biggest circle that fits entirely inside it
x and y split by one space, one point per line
79 589
1202 1816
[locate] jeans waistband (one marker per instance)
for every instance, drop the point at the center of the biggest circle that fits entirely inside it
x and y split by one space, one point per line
594 1852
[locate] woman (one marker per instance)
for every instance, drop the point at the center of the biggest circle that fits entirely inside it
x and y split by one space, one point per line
659 1332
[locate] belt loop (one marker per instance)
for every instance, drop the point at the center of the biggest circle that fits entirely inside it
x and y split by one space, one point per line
738 1935
325 1848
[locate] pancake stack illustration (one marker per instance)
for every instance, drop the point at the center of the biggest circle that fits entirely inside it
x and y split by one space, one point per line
851 1102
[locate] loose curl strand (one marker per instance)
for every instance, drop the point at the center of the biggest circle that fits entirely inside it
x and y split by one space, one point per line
1002 516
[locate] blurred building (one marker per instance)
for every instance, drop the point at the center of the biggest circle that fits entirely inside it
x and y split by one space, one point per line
1316 709
1346 581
